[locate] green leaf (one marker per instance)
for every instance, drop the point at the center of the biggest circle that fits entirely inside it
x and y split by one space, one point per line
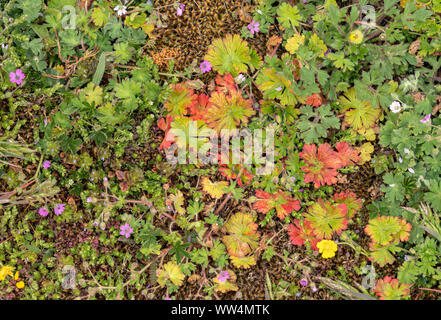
127 89
288 16
99 72
122 52
99 18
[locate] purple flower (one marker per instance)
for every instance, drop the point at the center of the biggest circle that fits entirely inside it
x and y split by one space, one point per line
43 212
293 179
223 276
301 190
298 294
254 27
314 289
304 282
126 230
17 76
167 298
180 9
46 164
205 66
426 119
59 208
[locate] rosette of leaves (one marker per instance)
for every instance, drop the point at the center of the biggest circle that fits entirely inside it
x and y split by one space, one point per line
386 233
228 110
241 239
360 115
280 201
180 99
350 200
232 55
321 164
326 218
390 289
301 232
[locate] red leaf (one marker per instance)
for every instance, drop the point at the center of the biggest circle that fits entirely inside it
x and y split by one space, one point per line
315 100
322 164
225 83
199 109
350 200
347 155
165 126
300 234
281 201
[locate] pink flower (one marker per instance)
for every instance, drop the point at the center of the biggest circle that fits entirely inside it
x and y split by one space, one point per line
43 212
223 276
59 208
180 9
126 230
426 119
254 27
46 164
17 76
205 66
304 282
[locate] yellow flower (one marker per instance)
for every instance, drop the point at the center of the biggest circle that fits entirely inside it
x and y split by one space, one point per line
327 248
5 271
356 36
20 284
293 43
16 275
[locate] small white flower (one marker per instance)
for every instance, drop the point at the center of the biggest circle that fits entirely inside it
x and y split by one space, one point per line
240 78
392 185
400 160
121 10
259 11
279 88
406 151
395 106
411 170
